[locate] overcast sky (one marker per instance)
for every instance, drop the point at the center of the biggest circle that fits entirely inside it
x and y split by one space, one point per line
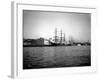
38 24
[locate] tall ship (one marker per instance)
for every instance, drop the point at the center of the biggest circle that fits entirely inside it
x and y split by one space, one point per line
58 38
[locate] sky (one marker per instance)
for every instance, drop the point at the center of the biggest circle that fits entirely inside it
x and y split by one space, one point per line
38 24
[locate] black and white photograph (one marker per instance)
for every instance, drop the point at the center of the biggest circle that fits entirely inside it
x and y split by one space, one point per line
54 39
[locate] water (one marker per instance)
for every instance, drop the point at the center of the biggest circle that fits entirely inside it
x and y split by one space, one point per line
52 57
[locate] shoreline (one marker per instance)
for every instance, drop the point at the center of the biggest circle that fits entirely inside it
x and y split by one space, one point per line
51 45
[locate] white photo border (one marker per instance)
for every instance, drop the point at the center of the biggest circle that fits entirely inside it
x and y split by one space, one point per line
17 41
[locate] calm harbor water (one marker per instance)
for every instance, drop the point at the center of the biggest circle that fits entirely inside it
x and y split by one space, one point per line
52 57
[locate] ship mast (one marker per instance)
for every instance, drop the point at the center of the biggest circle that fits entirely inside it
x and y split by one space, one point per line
61 36
55 35
64 39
